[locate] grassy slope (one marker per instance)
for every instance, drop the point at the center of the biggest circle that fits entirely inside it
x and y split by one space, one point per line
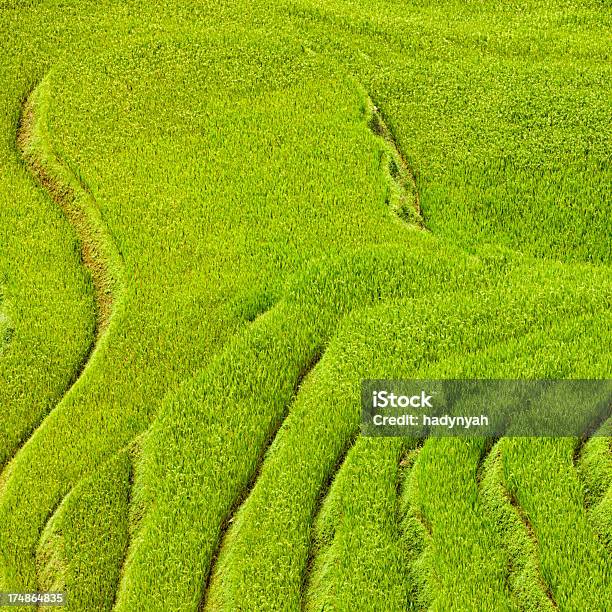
247 186
502 111
312 442
81 551
155 269
595 468
47 300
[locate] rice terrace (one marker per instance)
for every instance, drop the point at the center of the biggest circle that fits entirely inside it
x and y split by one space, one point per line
219 220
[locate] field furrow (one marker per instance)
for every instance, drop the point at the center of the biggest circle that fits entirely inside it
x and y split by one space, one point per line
47 319
84 544
358 535
228 537
548 570
593 460
321 502
98 254
524 572
404 194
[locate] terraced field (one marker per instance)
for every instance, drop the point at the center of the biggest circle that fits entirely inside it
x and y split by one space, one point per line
217 219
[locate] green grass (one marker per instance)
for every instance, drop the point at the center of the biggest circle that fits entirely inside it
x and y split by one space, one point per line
364 565
247 177
241 569
46 306
558 507
500 111
81 551
595 468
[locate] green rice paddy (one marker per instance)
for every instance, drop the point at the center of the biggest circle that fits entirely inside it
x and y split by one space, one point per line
217 219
